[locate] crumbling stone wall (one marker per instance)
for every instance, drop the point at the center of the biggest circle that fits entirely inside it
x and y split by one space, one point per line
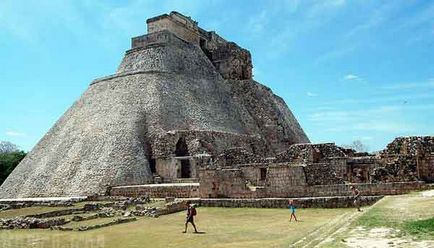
224 183
426 168
405 159
210 142
359 169
311 153
322 174
261 107
230 60
187 190
239 155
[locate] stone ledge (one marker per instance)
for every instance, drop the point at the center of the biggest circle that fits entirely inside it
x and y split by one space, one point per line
304 202
179 190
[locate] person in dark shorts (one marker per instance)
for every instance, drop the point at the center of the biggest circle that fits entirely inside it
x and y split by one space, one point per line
191 212
356 195
292 207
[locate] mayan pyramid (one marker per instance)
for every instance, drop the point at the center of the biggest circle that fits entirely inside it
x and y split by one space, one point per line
179 91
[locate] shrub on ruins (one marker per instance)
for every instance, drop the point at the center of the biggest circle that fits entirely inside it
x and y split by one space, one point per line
10 157
357 145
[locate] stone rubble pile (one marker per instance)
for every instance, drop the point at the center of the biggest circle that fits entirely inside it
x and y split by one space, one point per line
30 223
396 169
111 223
5 207
238 155
412 146
311 153
399 161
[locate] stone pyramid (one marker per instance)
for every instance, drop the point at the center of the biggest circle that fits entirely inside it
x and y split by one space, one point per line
179 85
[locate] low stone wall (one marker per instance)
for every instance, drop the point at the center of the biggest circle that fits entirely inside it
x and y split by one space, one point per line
57 213
47 201
394 188
178 190
238 189
306 202
172 207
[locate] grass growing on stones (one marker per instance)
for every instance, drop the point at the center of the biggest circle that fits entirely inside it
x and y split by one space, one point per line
221 227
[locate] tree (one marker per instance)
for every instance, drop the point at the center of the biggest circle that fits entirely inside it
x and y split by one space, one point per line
6 147
10 157
358 146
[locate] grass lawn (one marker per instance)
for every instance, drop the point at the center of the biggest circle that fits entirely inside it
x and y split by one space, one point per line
222 227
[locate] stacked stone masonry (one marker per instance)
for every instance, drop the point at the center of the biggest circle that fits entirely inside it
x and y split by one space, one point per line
307 202
183 108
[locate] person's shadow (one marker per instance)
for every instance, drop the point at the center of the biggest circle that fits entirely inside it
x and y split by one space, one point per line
200 232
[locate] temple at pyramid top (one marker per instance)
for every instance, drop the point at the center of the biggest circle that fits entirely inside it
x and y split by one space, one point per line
232 61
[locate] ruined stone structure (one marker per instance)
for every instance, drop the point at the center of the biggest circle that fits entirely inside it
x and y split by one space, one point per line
180 97
182 117
321 170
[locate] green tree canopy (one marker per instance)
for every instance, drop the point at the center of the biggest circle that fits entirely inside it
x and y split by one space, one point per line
10 157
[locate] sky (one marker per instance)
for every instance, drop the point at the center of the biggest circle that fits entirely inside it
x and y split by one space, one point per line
348 70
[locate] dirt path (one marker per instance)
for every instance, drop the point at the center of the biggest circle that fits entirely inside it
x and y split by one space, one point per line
360 237
405 207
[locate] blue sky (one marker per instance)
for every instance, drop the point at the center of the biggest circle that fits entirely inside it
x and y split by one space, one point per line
349 70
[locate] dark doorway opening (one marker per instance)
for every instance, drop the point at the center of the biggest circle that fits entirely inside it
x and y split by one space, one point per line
185 169
202 43
181 148
152 165
263 173
182 151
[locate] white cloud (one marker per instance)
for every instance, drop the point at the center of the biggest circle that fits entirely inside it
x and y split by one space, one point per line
353 77
310 94
15 134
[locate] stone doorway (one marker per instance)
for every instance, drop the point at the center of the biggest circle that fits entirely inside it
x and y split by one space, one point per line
181 148
185 169
183 155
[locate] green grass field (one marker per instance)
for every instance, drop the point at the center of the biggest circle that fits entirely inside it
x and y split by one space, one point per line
221 227
410 218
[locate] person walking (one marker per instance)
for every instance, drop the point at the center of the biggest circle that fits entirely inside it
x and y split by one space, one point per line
356 195
292 207
191 212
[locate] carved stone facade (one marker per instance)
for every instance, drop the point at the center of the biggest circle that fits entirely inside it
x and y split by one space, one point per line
180 97
320 170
